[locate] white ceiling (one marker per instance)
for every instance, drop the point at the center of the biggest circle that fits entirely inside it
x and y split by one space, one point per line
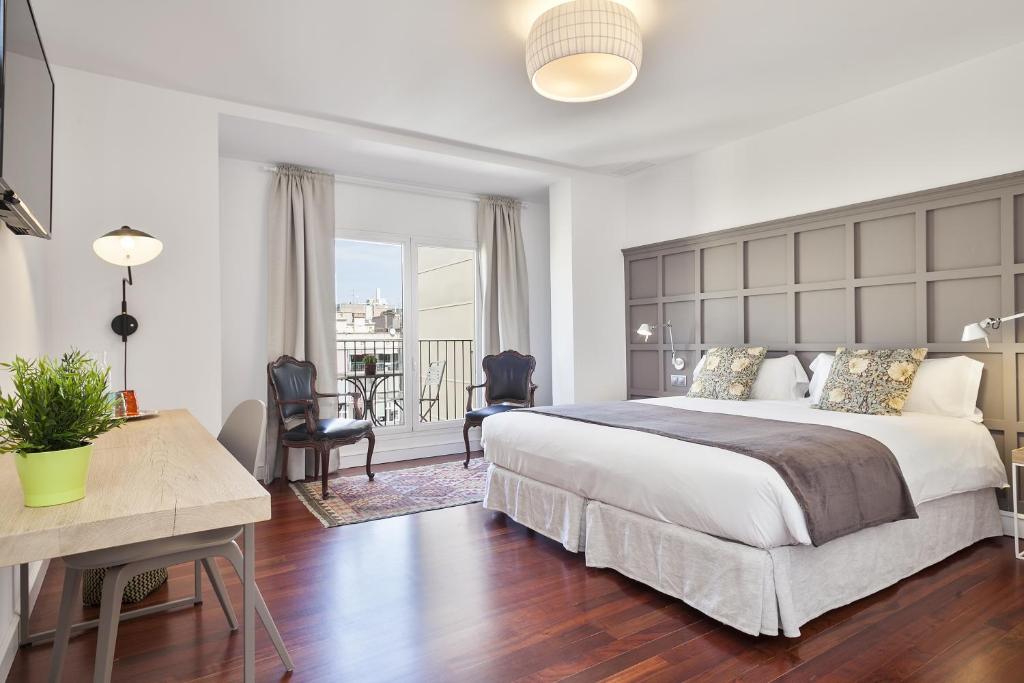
713 71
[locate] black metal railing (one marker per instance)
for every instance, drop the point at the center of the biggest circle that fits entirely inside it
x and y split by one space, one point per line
442 391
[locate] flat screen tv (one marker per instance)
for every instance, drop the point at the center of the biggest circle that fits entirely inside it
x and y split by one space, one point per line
26 133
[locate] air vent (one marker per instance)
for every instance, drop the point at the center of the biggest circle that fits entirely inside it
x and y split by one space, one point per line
15 229
635 167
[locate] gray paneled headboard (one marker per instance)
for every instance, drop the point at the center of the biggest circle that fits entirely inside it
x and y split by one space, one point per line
909 270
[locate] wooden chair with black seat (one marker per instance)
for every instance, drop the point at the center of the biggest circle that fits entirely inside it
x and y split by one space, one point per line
508 384
293 385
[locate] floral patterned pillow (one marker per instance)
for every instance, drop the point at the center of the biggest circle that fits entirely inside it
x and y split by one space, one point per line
870 382
729 373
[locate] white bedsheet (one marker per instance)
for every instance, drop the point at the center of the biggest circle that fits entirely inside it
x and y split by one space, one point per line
723 493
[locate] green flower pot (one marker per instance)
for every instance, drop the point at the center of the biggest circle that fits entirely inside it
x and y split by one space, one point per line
54 477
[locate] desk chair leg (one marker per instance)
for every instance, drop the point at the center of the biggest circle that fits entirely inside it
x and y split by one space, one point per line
234 556
197 596
316 465
210 564
72 579
465 437
110 614
369 454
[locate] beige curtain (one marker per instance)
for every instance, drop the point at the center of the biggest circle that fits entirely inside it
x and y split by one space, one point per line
503 281
300 294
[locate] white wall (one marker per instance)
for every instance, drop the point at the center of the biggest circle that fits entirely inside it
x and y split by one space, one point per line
129 154
23 331
598 308
951 126
536 244
562 334
244 188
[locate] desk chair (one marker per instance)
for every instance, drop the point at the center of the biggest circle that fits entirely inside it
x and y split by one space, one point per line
243 435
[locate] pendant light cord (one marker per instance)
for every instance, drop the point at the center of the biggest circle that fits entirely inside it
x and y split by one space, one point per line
124 310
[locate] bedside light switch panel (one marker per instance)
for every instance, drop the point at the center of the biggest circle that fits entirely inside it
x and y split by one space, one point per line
678 380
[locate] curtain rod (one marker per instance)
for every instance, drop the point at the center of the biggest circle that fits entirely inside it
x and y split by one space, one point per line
381 184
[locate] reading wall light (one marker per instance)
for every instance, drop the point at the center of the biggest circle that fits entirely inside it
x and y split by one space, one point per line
126 247
979 330
646 330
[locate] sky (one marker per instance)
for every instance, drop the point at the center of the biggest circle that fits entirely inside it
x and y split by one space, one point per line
362 267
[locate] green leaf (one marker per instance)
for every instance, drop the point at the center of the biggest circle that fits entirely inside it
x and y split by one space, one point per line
56 404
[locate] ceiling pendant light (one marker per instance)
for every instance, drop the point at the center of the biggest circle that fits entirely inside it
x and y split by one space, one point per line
583 51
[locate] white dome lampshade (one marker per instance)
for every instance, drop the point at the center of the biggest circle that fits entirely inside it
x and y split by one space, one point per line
127 247
583 51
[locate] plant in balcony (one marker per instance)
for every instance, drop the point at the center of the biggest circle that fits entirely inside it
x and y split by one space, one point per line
370 364
59 406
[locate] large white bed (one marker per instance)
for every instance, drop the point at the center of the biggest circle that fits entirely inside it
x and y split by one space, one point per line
721 530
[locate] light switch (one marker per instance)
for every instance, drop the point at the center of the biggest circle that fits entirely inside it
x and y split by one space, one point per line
677 380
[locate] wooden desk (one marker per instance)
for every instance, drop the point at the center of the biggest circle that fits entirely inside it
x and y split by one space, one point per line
150 479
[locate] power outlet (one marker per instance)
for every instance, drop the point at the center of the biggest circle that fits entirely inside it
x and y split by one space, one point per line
678 380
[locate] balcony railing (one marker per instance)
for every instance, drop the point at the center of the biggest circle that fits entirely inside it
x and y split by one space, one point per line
445 370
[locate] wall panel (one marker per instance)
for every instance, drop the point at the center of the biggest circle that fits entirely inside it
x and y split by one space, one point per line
908 270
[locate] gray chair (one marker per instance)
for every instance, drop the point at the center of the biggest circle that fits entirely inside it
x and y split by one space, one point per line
243 436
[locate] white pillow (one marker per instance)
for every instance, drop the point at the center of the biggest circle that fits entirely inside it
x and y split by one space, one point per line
947 386
778 379
699 368
820 367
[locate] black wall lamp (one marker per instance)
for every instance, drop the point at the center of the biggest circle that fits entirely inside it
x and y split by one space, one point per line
126 247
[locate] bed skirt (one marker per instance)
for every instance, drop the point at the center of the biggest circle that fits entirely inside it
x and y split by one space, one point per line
754 590
548 510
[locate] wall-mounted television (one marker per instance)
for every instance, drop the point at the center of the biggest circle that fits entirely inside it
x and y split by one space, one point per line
26 123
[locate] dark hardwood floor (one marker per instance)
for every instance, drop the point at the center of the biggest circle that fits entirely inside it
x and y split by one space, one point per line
463 594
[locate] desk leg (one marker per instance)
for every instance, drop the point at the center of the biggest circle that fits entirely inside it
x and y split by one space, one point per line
249 603
1016 523
24 592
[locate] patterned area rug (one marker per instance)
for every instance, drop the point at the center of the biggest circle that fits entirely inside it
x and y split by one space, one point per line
394 493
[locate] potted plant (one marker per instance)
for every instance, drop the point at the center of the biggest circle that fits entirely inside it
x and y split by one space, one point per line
370 364
58 407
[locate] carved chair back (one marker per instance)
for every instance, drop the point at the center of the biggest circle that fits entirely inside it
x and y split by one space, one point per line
293 385
508 378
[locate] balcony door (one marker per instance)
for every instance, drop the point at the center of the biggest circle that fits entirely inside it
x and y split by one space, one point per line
412 306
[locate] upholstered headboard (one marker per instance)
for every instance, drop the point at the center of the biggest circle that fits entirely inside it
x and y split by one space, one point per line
905 271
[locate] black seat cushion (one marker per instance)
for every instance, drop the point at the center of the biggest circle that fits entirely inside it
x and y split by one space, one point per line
337 428
481 413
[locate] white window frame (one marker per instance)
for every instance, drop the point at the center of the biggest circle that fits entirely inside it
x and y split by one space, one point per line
410 323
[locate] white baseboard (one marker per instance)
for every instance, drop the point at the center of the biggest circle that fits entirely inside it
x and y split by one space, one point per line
9 639
1008 522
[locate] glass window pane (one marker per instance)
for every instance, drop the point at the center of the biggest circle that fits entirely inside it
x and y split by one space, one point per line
368 292
446 310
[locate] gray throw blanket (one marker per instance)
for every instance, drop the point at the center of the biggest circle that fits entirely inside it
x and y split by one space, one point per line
842 480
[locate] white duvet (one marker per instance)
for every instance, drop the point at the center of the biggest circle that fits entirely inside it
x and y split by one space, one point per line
723 493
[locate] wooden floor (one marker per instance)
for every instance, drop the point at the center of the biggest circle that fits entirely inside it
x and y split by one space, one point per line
463 594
